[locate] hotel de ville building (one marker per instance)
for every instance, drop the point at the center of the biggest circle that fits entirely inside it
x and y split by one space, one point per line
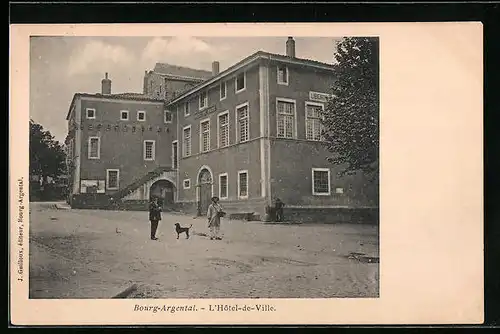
248 134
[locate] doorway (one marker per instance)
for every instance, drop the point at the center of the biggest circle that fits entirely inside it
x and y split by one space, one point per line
205 185
164 190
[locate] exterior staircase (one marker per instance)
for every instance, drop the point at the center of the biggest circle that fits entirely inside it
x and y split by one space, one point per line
118 195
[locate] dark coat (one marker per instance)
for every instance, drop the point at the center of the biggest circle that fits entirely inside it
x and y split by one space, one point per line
154 211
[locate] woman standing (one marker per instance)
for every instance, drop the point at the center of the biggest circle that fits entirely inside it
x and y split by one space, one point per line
214 214
154 216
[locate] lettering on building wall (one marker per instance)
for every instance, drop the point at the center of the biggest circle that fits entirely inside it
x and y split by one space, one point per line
123 128
204 112
320 97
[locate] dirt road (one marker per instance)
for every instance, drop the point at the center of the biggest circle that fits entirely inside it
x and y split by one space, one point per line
97 254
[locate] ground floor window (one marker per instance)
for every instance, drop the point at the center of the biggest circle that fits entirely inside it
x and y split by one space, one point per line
321 181
112 179
223 185
243 184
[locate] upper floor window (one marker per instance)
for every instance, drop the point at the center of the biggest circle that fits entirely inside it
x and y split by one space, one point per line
141 116
167 116
242 130
223 90
186 141
282 75
286 118
240 82
94 148
175 160
90 113
124 115
314 127
149 150
186 109
203 100
205 135
223 130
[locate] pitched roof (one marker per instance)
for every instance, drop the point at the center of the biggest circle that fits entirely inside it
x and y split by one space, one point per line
181 71
120 96
250 59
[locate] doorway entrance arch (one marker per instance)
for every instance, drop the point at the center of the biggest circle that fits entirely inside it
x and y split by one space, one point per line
205 189
164 190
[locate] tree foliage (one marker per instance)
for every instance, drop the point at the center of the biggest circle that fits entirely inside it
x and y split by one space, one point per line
351 122
47 156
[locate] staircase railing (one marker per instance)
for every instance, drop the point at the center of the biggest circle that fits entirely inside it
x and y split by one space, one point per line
139 182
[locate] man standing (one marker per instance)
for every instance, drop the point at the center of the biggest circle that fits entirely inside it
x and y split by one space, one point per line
154 216
278 205
214 214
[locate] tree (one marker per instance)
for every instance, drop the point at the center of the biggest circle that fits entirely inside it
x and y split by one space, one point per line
47 156
350 119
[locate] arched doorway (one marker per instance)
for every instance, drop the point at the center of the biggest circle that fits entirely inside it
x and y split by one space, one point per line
164 190
205 190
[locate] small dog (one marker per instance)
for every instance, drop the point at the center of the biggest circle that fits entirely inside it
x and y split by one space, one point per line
181 230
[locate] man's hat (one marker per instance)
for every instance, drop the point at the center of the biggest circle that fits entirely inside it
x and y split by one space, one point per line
215 198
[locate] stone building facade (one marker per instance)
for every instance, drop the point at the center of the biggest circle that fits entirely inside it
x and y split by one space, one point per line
248 134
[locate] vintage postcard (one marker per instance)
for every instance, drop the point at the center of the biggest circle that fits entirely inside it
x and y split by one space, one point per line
246 174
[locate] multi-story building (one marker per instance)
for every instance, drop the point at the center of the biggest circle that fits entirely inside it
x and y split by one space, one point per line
114 146
251 134
166 81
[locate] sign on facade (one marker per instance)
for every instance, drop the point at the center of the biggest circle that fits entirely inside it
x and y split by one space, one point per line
205 112
320 97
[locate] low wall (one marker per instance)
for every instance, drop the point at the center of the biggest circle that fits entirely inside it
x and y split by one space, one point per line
332 215
90 201
238 210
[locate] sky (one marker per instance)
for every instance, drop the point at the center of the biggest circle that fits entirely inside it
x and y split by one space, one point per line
63 66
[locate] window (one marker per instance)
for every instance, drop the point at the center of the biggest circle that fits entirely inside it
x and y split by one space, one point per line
124 115
186 109
240 82
223 129
282 75
149 150
313 121
223 185
205 135
286 118
90 113
94 147
112 179
321 181
203 100
243 184
167 116
186 142
223 90
187 183
242 127
141 116
175 159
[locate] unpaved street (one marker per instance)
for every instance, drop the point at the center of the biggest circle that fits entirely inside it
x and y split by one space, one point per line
97 254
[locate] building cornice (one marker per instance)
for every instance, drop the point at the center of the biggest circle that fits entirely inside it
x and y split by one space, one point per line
260 55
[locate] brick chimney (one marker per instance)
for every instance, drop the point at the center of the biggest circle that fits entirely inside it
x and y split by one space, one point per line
290 47
106 85
215 68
